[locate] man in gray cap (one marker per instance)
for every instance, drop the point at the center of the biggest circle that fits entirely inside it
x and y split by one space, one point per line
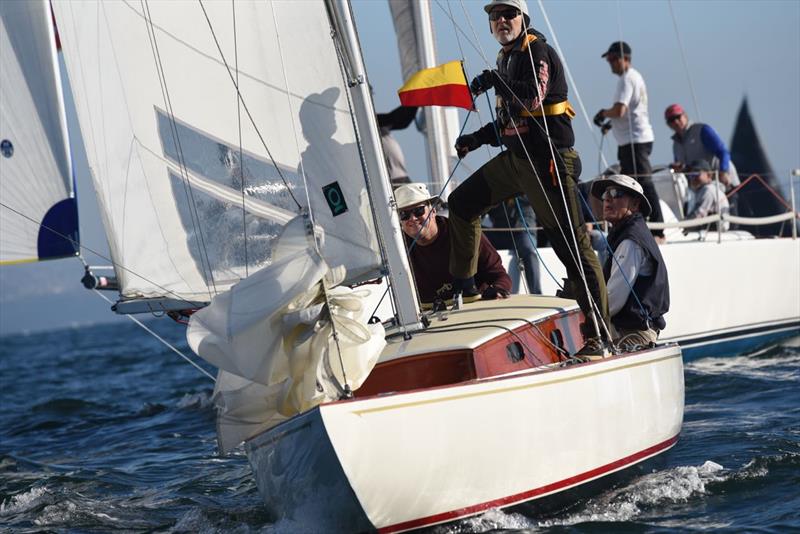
534 123
631 124
635 273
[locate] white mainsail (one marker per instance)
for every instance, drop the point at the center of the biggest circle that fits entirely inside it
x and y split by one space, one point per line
39 216
195 184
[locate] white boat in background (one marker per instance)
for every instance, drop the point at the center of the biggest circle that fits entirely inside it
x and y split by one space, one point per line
39 213
237 165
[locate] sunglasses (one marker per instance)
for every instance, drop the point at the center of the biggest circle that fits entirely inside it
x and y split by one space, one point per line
673 118
419 211
507 14
612 193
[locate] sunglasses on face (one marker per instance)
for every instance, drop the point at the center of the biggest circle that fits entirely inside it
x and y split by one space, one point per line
612 193
507 14
672 119
419 211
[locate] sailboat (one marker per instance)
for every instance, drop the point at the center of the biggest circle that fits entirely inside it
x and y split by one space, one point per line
242 184
40 213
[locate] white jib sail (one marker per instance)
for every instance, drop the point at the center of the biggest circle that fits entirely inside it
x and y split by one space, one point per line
196 184
35 163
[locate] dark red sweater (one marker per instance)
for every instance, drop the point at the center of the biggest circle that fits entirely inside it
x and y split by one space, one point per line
431 266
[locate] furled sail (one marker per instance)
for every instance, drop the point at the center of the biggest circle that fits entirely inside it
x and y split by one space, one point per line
39 215
196 184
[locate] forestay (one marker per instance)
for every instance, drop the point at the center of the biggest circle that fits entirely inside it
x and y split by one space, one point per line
196 184
39 219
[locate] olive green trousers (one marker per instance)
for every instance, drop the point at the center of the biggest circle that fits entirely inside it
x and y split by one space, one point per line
507 175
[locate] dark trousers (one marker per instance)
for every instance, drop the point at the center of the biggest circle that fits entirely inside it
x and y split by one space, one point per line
634 160
519 242
507 175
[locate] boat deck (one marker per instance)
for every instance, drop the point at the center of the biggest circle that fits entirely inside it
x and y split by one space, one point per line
482 340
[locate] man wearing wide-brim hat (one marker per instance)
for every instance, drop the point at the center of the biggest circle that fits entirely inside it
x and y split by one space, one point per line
428 241
635 273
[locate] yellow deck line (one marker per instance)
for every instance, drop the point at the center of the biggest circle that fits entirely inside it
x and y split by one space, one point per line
507 389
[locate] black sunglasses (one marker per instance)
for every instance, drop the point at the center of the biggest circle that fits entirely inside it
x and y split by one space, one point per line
507 14
612 192
419 211
673 118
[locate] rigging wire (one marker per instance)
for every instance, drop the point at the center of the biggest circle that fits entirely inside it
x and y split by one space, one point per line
628 111
241 150
80 246
573 85
161 339
247 109
683 59
151 33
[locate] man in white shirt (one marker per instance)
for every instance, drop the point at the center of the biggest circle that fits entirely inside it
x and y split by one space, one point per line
631 125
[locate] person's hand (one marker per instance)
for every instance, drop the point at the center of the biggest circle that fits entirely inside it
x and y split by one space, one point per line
599 118
725 178
483 82
466 144
491 293
605 128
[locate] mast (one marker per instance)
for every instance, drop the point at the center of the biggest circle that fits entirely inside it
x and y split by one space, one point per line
386 221
434 115
413 26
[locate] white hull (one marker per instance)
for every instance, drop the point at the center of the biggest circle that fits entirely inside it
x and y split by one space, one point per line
725 298
407 460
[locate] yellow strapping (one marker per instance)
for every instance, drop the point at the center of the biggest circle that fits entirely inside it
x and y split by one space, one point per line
548 110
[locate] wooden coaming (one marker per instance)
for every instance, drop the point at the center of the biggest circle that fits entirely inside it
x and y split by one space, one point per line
515 335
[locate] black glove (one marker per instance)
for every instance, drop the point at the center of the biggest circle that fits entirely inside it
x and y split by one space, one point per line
605 128
465 144
483 82
491 293
599 119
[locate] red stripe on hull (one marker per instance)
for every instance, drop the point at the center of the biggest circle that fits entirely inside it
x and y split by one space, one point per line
530 494
456 95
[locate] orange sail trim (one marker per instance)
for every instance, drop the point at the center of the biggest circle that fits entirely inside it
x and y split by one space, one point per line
445 85
443 95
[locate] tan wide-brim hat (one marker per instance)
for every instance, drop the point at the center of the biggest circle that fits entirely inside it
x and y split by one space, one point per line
412 194
623 181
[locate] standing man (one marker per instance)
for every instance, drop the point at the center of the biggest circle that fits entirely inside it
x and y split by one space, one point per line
636 276
534 123
631 125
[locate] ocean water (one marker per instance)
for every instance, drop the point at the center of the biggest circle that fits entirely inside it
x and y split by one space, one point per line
104 429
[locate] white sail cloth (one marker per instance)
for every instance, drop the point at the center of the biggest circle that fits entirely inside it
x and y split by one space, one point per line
194 182
272 336
35 162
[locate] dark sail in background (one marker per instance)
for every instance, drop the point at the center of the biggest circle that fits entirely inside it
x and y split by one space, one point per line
754 199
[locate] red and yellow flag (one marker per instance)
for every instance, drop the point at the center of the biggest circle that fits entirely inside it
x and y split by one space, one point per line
445 85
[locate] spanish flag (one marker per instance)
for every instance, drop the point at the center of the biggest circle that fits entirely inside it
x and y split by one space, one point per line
445 85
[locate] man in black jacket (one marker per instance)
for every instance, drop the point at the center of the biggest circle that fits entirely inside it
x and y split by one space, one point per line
534 123
635 273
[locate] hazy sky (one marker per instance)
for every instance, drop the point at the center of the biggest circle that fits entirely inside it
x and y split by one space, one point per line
733 49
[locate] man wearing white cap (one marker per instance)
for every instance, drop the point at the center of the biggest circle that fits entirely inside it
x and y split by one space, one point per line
428 239
635 273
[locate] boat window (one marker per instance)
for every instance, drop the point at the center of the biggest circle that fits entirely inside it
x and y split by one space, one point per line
515 351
